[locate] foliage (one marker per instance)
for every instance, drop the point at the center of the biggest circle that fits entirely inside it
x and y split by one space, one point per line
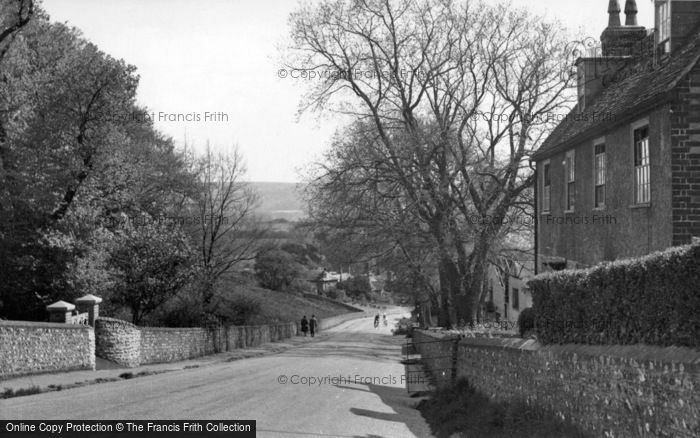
357 287
337 294
276 269
526 321
304 253
651 300
154 263
92 198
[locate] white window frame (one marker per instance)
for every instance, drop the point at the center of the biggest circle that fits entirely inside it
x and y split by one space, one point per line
600 171
643 171
569 180
546 201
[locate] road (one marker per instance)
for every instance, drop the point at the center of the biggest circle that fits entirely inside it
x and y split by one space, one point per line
348 384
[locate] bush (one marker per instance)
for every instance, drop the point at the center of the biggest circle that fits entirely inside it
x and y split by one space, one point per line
652 300
526 321
276 269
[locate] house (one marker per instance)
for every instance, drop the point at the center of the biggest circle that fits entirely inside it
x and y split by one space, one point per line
620 175
507 289
328 280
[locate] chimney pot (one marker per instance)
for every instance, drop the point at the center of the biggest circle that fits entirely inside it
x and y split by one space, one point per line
631 13
614 12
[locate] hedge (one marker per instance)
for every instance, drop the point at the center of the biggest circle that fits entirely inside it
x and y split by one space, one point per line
652 300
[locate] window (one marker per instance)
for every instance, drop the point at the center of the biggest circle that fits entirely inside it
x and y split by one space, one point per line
546 187
581 88
642 183
663 11
570 173
599 175
516 299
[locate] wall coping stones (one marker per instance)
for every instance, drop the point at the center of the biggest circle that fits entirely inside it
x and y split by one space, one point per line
60 305
513 343
47 325
89 299
116 321
639 352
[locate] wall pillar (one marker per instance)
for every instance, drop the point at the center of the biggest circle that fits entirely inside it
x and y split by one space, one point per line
90 304
60 311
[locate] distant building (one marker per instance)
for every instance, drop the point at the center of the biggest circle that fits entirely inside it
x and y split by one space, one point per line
620 175
507 289
328 280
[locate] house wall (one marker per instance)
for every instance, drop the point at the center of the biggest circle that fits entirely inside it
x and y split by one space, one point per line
685 159
589 236
506 310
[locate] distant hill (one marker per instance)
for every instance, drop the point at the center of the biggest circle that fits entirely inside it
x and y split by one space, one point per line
280 200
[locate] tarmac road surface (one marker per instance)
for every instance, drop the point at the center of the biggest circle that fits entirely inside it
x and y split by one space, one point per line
348 384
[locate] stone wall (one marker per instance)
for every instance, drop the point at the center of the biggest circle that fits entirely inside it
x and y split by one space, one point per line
118 341
38 347
129 345
160 344
608 390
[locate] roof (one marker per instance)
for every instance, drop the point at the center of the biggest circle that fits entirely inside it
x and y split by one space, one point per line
643 89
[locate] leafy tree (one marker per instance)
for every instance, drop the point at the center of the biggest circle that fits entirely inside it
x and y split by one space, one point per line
154 263
276 269
79 165
357 287
15 14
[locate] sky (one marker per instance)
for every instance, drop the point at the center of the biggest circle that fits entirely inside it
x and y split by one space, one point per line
216 63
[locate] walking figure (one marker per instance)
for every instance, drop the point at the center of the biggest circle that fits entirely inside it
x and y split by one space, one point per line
304 325
313 325
376 321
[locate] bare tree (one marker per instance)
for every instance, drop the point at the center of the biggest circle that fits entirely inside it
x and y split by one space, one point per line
228 232
457 95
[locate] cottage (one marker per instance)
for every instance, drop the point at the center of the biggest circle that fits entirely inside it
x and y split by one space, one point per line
620 176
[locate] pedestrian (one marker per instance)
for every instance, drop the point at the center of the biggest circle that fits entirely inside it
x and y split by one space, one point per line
305 326
313 325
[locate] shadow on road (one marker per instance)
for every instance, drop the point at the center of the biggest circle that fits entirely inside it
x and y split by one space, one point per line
394 397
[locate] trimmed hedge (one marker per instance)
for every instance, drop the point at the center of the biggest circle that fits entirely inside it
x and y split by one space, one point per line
652 300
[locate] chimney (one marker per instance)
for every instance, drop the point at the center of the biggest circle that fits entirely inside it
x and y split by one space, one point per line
614 13
620 46
631 13
627 40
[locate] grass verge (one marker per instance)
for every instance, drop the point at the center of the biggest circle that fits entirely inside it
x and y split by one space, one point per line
10 393
462 411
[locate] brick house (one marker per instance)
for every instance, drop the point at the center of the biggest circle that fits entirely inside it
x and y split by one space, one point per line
620 175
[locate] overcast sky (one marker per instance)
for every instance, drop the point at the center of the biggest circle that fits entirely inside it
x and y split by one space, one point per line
220 56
